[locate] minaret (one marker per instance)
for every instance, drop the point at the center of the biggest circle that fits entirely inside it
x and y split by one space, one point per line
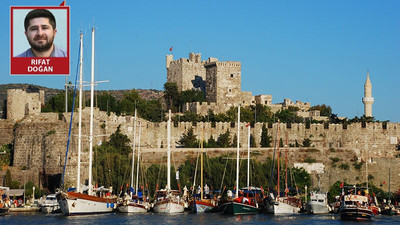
368 99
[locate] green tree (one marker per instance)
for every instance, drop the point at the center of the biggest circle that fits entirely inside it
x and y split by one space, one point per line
112 165
8 180
191 96
252 141
262 113
223 140
265 138
324 110
234 142
106 102
171 96
189 140
57 102
307 142
211 143
120 141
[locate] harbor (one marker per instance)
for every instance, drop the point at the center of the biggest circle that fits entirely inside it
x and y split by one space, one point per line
208 143
184 218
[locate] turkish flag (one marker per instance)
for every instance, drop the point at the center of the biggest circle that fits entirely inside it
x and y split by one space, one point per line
341 185
170 49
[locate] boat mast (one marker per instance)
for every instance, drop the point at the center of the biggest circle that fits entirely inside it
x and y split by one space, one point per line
237 154
248 157
91 117
169 151
133 151
366 163
78 182
286 162
278 143
138 157
201 166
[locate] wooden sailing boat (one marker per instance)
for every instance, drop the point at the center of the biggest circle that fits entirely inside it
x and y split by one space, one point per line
278 204
167 200
204 202
245 202
73 203
135 203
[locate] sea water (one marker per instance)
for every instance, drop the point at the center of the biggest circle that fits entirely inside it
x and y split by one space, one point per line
183 218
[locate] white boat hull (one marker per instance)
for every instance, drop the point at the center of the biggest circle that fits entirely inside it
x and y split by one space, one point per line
76 204
133 208
316 208
168 207
283 208
50 208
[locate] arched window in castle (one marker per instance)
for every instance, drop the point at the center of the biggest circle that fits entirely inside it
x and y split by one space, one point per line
231 75
230 90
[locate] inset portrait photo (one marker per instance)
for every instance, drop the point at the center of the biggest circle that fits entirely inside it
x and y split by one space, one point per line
39 40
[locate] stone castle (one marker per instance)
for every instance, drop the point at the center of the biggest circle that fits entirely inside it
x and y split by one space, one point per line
221 84
39 139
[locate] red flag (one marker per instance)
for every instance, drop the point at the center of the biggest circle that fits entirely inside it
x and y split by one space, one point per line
62 3
170 49
341 185
248 125
384 182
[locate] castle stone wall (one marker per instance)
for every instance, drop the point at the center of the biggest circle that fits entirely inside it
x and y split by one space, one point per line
40 142
21 103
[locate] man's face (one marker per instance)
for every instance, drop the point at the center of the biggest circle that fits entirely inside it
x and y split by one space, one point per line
40 34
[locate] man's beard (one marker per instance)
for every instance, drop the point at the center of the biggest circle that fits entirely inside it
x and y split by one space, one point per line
41 47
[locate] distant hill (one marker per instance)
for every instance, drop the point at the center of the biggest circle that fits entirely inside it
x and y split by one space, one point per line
49 92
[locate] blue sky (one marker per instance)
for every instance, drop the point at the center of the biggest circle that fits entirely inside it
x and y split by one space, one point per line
312 51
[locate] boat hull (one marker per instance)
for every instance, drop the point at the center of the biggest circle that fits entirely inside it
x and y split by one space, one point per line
50 208
78 204
169 207
198 206
237 208
133 208
4 211
355 214
316 208
283 208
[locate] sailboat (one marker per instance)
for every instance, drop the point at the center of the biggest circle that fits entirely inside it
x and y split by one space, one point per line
135 203
167 200
74 203
278 204
204 202
246 202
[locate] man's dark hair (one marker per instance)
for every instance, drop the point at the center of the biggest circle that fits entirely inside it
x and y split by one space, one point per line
36 13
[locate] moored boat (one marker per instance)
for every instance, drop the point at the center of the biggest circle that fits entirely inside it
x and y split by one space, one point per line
50 205
355 207
318 203
246 203
167 200
202 205
133 205
73 203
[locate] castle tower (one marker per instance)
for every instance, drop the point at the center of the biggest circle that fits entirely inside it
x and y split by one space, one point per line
188 74
368 99
223 82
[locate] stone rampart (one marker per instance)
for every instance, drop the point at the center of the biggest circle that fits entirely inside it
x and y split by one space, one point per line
40 142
